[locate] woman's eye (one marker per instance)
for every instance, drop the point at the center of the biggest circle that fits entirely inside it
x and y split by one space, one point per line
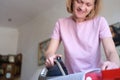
89 4
79 1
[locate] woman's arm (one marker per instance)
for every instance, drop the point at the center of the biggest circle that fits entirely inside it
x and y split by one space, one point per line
111 54
50 52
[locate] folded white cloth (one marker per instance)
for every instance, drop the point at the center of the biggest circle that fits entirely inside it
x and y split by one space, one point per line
76 76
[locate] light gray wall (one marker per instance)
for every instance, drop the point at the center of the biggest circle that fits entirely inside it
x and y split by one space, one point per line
8 40
41 27
111 10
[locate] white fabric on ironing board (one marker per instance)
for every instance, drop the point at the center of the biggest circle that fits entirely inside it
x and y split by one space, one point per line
76 76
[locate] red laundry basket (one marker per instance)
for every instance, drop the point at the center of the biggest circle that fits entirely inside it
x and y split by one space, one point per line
113 74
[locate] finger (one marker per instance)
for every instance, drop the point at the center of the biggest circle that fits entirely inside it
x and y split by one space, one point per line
105 65
51 61
58 55
47 63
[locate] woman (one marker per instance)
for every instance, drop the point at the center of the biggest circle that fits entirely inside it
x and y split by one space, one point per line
81 34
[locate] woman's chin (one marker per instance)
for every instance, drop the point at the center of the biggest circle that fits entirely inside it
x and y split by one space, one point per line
80 17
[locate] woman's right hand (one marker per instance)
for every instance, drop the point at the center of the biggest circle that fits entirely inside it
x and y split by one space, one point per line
50 60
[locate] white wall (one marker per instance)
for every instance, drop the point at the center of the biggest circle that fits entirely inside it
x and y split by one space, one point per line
41 27
34 32
111 10
8 40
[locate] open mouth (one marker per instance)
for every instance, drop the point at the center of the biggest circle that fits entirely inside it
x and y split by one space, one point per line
80 11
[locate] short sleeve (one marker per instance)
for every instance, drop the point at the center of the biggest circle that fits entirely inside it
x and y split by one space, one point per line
56 31
104 28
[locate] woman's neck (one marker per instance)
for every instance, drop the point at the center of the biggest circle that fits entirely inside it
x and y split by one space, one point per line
77 20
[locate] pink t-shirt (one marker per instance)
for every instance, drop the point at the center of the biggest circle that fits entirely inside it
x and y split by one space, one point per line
81 42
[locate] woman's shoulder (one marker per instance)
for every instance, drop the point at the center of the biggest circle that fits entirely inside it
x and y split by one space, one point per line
99 18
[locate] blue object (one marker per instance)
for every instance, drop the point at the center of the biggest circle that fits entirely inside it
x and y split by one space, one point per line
55 71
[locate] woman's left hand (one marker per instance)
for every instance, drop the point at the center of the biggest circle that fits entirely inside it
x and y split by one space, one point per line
109 65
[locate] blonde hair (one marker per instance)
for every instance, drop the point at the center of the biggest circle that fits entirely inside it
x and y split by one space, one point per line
92 14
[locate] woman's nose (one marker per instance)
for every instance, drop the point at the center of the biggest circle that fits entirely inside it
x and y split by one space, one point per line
82 7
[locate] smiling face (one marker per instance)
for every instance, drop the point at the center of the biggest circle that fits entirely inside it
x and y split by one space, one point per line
82 8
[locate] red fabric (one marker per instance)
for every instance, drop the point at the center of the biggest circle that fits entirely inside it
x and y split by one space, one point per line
113 74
